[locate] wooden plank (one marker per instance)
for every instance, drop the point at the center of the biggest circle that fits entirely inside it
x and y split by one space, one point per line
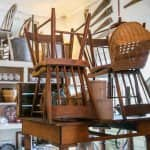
48 97
74 81
100 7
143 127
42 130
58 85
53 38
83 42
62 62
69 112
106 13
74 134
27 142
71 43
137 109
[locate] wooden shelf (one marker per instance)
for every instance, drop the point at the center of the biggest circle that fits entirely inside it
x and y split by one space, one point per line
30 94
9 82
10 126
18 64
7 103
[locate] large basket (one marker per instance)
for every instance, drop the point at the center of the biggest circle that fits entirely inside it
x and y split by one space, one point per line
129 46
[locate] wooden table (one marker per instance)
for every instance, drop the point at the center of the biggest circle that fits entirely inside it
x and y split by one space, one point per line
63 134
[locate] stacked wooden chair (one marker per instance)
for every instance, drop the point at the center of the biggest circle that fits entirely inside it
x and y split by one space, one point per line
51 61
128 48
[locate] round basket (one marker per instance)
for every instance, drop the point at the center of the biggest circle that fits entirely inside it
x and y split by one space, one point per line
129 46
9 94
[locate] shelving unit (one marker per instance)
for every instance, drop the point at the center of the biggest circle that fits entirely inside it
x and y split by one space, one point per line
11 67
25 66
10 126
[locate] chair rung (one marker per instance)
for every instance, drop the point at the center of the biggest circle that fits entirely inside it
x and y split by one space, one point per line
37 112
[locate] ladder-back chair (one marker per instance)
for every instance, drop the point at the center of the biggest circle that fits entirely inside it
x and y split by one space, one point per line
50 61
129 47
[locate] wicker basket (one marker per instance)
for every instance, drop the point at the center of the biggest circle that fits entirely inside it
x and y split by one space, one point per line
129 46
9 94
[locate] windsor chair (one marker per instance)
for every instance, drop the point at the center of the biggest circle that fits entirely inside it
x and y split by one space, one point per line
5 31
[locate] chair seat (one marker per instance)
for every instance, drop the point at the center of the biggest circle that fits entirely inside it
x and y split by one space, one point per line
99 70
41 67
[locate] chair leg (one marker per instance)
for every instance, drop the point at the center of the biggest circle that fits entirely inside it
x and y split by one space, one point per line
119 96
145 85
48 98
10 47
35 96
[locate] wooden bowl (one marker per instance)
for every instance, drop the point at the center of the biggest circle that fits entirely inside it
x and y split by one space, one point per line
9 94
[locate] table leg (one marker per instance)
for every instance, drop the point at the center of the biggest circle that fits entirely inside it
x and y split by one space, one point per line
130 144
103 142
148 142
17 138
28 142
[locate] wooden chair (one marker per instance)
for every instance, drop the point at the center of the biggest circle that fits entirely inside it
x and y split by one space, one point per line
5 29
50 61
27 25
97 54
129 47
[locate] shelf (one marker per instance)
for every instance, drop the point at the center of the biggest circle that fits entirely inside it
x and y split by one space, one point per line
24 105
18 64
9 82
25 94
9 103
10 126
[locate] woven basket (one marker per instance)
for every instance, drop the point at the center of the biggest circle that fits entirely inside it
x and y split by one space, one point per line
129 46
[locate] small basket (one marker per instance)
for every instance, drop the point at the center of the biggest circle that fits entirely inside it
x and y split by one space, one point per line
9 94
129 46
